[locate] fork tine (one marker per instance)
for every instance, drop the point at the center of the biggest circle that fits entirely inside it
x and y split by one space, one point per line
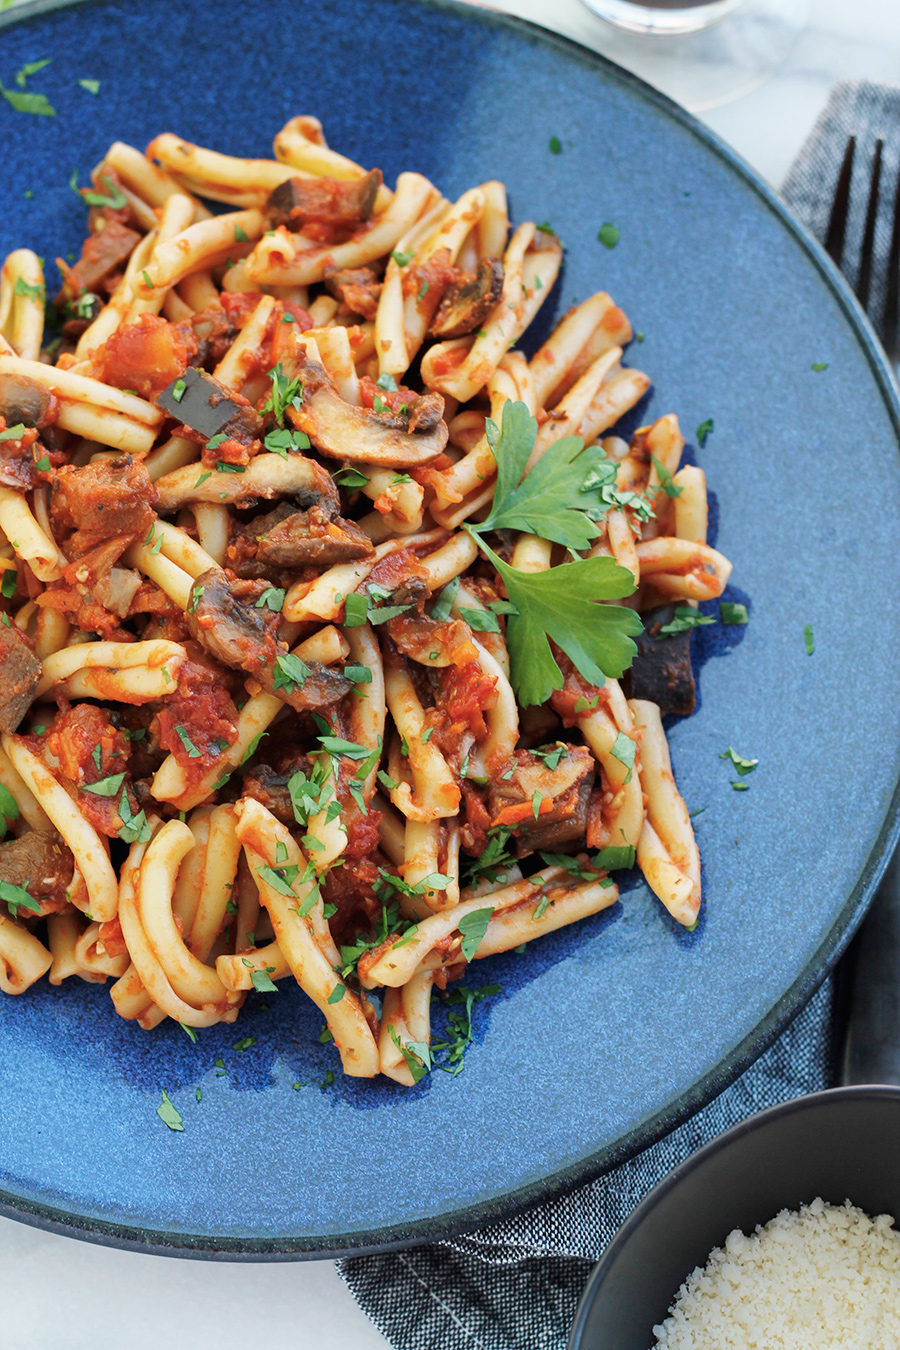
837 225
868 245
892 300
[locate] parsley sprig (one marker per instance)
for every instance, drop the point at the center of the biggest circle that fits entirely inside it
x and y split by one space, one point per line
560 604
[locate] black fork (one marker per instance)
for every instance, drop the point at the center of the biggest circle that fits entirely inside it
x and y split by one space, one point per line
834 243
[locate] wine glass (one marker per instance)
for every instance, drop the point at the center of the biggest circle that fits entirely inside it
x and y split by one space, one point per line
700 52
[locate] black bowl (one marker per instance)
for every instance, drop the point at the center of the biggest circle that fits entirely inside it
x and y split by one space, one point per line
840 1145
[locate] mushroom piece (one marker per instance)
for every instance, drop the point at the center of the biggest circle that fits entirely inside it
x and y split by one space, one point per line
344 431
661 672
325 201
23 400
206 407
303 537
560 796
233 630
465 306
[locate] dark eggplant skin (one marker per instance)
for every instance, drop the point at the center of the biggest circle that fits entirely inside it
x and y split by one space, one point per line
661 671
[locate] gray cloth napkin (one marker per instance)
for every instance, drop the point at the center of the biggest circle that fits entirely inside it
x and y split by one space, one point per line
515 1285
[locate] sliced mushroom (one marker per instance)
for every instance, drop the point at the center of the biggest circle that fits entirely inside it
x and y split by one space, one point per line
208 408
466 305
237 633
327 201
345 431
23 400
313 536
358 287
564 790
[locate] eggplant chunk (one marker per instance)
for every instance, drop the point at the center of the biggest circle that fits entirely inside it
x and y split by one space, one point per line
567 787
209 409
661 671
345 431
41 863
326 201
20 672
465 306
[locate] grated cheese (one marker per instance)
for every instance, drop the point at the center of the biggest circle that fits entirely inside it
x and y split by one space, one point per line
826 1278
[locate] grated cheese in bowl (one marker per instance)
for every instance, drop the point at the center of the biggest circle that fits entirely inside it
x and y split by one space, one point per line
826 1278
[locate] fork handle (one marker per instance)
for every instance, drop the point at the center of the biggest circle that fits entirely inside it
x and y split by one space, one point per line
871 1035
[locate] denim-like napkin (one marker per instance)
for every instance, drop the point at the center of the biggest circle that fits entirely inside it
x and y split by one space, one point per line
515 1285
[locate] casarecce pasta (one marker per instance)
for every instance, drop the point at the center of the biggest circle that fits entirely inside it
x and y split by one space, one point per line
318 595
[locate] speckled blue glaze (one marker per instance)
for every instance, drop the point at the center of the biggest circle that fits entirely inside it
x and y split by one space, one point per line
608 1033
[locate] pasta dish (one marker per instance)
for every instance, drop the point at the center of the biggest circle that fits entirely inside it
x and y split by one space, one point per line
335 634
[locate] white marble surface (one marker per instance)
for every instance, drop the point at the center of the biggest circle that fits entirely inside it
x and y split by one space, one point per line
55 1292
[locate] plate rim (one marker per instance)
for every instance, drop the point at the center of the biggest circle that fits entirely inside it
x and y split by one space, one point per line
395 1237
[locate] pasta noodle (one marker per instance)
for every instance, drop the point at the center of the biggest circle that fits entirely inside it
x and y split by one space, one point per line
318 597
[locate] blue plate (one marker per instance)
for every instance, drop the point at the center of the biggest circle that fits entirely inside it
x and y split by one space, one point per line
607 1034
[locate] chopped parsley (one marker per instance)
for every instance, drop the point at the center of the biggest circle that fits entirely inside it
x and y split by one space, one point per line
285 394
807 638
733 614
8 583
17 897
27 288
186 741
262 981
743 766
92 86
272 598
284 440
36 104
280 878
704 430
819 366
356 610
178 389
555 145
623 749
244 1044
608 235
473 927
666 481
404 258
105 787
169 1114
290 673
684 620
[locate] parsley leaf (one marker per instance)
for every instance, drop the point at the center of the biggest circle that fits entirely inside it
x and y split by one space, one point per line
808 639
555 145
403 259
703 431
92 86
558 605
135 829
608 235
